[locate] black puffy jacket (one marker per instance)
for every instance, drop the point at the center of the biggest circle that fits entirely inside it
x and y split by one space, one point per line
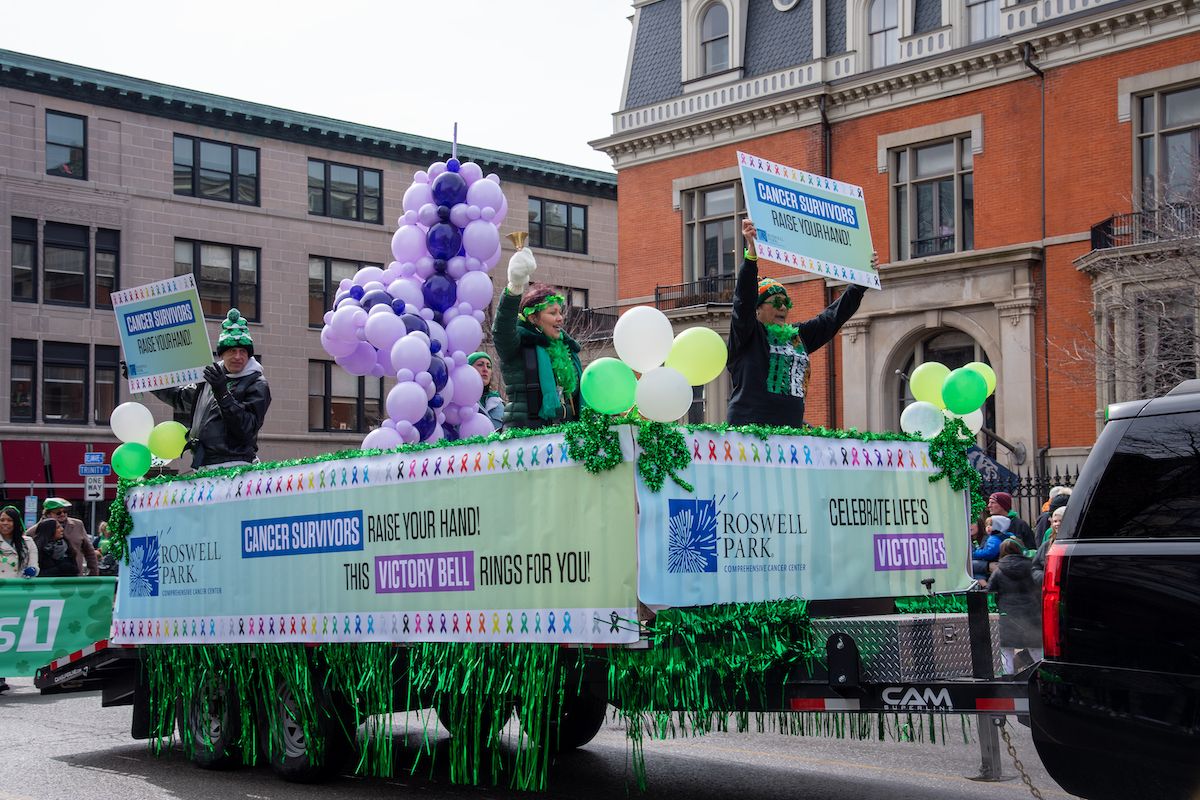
226 430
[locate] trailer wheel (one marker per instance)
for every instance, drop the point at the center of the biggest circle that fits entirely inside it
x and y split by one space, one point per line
299 755
211 725
577 723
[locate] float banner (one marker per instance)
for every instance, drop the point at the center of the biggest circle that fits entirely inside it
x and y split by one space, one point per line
800 516
46 618
495 542
808 222
162 332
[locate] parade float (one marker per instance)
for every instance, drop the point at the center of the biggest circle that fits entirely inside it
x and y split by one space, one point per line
620 564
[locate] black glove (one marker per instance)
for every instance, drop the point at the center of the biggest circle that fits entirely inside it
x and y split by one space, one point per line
124 370
216 379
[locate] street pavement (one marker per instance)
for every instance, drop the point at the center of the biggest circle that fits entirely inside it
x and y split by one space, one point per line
66 747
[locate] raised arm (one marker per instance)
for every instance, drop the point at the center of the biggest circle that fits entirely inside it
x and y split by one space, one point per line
745 293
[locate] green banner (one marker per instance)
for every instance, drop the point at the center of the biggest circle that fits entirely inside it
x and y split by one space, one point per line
45 618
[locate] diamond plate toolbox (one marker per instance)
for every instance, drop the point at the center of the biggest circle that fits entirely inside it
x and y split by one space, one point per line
910 647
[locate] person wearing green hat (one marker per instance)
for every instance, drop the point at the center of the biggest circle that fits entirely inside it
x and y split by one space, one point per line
490 403
769 359
74 533
229 407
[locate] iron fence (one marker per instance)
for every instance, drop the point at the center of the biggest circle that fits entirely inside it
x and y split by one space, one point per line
1178 221
1029 490
709 289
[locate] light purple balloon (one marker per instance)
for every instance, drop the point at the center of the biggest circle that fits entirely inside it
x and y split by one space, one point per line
427 215
391 273
346 320
406 402
382 439
437 435
345 283
485 193
383 329
423 379
408 270
501 211
435 169
449 314
470 172
438 334
474 264
411 352
487 213
408 434
420 176
335 346
367 275
424 268
359 362
383 360
477 425
328 317
475 288
417 195
408 290
468 386
408 243
409 218
488 263
390 424
464 333
456 267
451 411
458 215
404 375
480 239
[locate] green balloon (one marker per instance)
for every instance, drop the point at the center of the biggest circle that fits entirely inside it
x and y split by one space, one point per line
168 439
964 390
608 385
131 460
926 381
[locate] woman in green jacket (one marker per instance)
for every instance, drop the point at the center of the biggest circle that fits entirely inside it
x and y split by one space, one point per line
539 360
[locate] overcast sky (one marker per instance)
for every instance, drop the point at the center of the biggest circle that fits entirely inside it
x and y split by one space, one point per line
533 77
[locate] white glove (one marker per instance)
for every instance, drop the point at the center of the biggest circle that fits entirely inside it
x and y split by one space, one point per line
520 269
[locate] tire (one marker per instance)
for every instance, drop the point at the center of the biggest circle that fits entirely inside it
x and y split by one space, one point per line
211 725
577 722
288 748
486 738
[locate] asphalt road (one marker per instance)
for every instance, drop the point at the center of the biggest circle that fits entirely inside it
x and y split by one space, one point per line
66 747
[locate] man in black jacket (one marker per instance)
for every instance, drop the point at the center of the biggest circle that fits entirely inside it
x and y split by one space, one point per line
228 409
769 359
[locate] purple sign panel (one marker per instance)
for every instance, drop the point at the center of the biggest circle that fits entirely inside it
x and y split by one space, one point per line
426 572
895 551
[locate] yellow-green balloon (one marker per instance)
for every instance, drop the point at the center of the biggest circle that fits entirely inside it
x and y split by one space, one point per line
964 391
168 439
989 374
131 460
926 381
608 385
699 354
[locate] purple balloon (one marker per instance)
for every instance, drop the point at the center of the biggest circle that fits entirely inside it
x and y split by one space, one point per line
439 292
367 275
459 215
488 263
464 333
412 322
417 195
501 211
475 289
408 243
437 370
408 434
477 425
383 364
374 298
425 425
346 320
383 330
428 215
443 240
406 289
406 402
437 334
359 362
485 193
410 352
449 189
468 386
382 439
480 239
456 267
470 172
336 347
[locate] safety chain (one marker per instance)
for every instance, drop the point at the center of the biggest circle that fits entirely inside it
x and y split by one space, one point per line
1012 753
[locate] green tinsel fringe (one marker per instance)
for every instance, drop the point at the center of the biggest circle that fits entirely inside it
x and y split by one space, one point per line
664 452
939 604
948 452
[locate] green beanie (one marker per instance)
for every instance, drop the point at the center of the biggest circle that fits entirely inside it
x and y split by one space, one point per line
471 359
234 333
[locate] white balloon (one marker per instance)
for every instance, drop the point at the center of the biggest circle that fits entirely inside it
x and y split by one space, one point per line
973 420
132 422
643 338
923 419
663 394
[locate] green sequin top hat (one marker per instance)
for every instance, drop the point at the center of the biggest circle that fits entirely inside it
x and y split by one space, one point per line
234 333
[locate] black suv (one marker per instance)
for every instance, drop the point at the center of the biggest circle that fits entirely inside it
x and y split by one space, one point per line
1115 705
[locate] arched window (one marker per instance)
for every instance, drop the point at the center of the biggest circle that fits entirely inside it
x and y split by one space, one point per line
714 39
954 349
883 26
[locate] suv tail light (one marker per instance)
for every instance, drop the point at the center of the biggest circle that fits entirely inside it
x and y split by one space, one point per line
1052 600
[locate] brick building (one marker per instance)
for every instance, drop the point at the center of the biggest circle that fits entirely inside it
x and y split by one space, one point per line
110 182
1006 149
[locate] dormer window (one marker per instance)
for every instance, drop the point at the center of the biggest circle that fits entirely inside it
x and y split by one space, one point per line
883 26
714 39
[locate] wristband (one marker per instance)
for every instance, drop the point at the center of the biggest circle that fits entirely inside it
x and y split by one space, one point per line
750 255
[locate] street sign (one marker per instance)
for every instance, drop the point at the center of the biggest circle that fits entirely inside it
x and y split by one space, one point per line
95 469
93 488
31 503
93 458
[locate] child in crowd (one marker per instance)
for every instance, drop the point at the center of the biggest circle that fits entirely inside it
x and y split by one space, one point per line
1019 600
989 551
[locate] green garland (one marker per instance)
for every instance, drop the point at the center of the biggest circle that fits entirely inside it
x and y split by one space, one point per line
939 604
664 453
563 366
948 452
593 442
782 334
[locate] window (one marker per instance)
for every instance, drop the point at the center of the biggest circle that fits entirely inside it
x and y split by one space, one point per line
66 145
557 226
216 171
576 298
933 196
883 28
954 349
1166 339
105 383
65 264
226 276
64 382
108 265
1169 147
714 39
339 401
336 190
24 259
695 414
712 230
324 276
23 388
983 19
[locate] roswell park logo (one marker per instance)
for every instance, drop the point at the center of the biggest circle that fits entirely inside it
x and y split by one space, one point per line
143 566
698 533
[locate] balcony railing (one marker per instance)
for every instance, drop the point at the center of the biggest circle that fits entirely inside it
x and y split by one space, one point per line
591 324
1144 227
701 292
